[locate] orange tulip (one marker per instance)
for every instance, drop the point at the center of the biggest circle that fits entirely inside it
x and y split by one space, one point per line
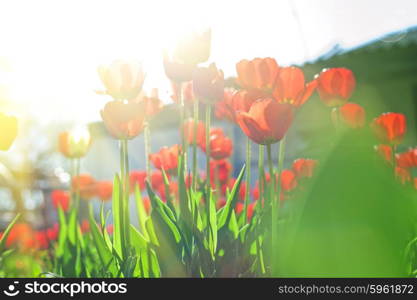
259 74
220 171
290 87
60 199
335 86
390 128
137 178
166 159
124 120
267 121
385 152
303 167
288 180
8 126
208 84
220 145
350 114
74 144
403 175
85 185
123 80
104 190
407 159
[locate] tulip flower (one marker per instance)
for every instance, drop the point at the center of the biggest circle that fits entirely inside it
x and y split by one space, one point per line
188 132
208 84
220 145
60 199
110 229
229 186
385 152
350 114
407 159
85 226
137 178
74 144
223 109
123 80
153 105
52 232
41 240
390 128
303 168
220 171
259 74
157 178
193 48
85 185
403 175
335 86
176 71
173 190
267 121
251 207
8 126
104 190
166 159
147 204
21 236
124 120
290 87
187 93
288 180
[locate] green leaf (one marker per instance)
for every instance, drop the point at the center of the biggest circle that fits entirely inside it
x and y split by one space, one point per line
142 216
6 233
117 215
212 226
233 226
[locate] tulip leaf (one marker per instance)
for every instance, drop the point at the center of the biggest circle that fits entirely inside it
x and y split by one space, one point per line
117 211
6 233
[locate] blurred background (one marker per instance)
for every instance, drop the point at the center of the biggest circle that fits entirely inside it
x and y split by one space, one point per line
50 51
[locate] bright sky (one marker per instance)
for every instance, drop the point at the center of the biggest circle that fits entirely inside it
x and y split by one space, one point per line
50 50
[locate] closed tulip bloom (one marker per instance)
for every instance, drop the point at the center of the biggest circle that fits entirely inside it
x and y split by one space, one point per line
74 144
104 190
177 71
407 159
52 232
335 86
124 120
290 87
350 114
60 199
385 151
85 226
166 159
208 84
193 48
137 178
123 80
259 74
85 185
390 128
8 126
220 171
220 145
304 168
288 180
267 121
188 132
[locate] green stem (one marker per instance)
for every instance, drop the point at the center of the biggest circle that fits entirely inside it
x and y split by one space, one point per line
248 167
261 181
270 205
148 150
125 223
208 116
195 170
182 120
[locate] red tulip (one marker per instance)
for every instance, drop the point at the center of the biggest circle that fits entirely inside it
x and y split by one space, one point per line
350 114
110 229
288 180
137 178
124 120
193 48
60 199
22 236
52 232
104 190
41 239
123 80
157 178
85 226
208 84
335 86
85 185
403 175
259 74
220 145
8 126
251 207
304 167
220 171
166 158
390 128
173 190
188 131
267 121
407 159
147 204
290 87
385 152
